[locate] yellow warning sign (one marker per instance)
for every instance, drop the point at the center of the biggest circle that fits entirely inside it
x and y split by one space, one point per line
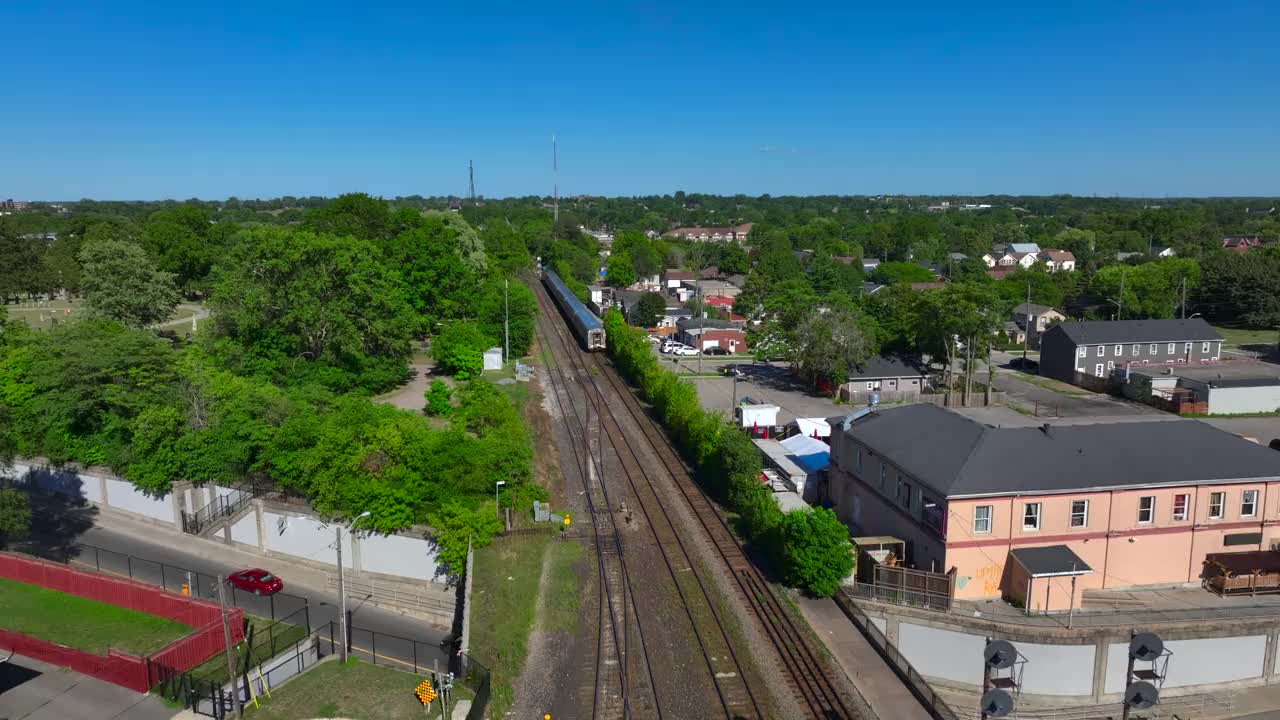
566 520
424 692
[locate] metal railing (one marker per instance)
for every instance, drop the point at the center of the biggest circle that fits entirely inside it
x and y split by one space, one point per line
1185 707
220 509
395 595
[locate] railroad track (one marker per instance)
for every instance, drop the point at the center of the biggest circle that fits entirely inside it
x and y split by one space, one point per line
724 669
806 674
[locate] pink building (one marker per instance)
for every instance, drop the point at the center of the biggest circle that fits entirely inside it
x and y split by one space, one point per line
1039 515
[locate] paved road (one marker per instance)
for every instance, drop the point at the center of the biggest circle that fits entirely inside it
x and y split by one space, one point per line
1052 403
34 690
163 546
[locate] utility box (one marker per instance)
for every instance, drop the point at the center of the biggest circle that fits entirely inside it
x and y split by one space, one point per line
493 358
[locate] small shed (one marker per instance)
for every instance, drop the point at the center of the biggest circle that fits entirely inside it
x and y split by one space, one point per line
751 414
493 358
1252 572
1043 579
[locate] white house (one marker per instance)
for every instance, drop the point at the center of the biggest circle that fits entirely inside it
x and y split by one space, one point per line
1023 260
1059 260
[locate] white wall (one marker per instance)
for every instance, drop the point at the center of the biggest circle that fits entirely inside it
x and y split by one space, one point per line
304 537
398 555
942 654
880 623
1057 669
1226 401
1197 662
122 495
246 530
60 481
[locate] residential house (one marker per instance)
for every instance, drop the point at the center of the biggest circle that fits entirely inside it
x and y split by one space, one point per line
672 316
1024 248
870 288
1071 349
736 233
1241 243
703 333
1111 505
869 264
711 272
1023 260
1163 251
713 288
1036 318
990 259
956 257
737 280
895 377
844 259
672 278
1259 211
1015 333
1059 260
1123 256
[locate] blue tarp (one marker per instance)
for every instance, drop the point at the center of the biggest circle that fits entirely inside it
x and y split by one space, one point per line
811 454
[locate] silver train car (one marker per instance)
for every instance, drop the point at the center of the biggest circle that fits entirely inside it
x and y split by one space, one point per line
585 325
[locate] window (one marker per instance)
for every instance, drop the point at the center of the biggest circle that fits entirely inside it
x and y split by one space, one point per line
883 479
1171 349
1101 351
1146 508
1153 349
1186 349
1031 516
932 514
1119 350
1137 350
1248 503
1204 348
1079 513
1083 352
1216 502
1097 370
982 519
904 494
1180 503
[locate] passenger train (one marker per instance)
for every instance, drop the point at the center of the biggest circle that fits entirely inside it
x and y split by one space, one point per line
585 324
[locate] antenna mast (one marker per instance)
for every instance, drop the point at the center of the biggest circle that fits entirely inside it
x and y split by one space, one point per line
555 172
471 172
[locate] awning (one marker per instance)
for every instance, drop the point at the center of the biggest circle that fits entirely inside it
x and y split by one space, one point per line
808 426
810 454
1050 561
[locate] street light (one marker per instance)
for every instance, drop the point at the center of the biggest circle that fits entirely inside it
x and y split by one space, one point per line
497 510
342 585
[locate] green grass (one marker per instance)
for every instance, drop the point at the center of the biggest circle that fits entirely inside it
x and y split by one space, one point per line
1245 336
1051 385
504 596
82 623
357 690
560 607
269 639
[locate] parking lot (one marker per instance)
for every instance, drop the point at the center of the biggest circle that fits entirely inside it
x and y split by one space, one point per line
772 384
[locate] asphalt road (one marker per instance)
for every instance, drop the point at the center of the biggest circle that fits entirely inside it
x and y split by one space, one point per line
399 638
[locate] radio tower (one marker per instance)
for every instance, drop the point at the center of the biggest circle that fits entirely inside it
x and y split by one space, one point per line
471 172
555 191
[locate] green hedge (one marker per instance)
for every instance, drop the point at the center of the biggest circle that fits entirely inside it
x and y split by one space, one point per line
728 464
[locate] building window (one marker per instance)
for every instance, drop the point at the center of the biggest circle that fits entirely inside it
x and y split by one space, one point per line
982 519
1217 501
1119 350
1137 350
1031 516
1153 349
1204 348
1186 349
1079 513
883 479
1146 508
1171 349
1248 503
1097 370
1180 503
1083 352
932 514
1101 351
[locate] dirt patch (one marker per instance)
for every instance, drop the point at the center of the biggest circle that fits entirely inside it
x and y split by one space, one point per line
537 417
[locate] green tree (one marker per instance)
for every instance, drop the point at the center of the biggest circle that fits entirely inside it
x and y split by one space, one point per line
618 270
459 350
15 515
648 310
355 214
816 553
438 399
827 345
892 273
120 282
491 309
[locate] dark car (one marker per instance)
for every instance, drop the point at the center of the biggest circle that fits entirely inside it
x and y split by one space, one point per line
256 581
1028 364
715 350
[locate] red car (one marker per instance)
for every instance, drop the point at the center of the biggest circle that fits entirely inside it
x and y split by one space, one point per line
256 581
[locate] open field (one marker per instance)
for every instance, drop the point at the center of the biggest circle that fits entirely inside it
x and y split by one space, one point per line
42 315
359 691
82 623
1236 337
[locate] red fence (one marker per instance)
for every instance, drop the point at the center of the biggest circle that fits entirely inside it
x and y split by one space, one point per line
116 667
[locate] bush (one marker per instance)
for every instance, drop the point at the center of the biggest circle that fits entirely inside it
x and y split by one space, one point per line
438 399
816 552
459 350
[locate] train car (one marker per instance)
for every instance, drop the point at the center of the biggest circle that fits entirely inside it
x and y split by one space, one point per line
585 324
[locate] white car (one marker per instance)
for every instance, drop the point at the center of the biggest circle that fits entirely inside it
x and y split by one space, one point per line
683 350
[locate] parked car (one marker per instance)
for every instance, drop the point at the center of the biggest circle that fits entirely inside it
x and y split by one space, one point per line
654 338
683 350
1028 364
715 350
256 581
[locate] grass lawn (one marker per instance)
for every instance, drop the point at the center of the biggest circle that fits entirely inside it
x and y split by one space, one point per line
1244 336
504 597
1051 385
82 623
269 640
359 691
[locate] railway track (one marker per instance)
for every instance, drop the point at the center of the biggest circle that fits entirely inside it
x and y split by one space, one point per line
735 696
806 674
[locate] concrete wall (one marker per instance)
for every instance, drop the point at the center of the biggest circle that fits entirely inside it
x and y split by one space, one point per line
122 495
245 530
305 537
1226 401
87 487
1197 662
398 555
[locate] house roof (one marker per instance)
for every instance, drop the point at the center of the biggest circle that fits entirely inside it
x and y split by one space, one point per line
1029 248
1050 560
719 301
677 275
1060 255
1032 309
958 457
1103 332
708 323
887 366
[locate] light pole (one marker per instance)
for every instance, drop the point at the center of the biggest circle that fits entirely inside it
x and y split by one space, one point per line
497 509
342 585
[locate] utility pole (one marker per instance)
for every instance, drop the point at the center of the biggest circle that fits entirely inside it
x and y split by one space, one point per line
506 319
471 174
555 189
702 325
342 594
1120 305
226 638
1026 331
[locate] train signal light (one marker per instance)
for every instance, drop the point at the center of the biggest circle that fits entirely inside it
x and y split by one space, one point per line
424 692
448 681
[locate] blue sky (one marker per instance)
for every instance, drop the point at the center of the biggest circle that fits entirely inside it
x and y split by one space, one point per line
126 100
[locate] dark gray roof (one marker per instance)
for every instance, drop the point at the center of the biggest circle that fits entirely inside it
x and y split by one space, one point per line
1032 309
1105 332
708 323
887 366
1049 560
958 457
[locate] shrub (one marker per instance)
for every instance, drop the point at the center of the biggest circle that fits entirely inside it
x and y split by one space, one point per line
438 399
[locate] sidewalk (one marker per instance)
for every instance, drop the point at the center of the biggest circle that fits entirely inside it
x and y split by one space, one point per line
878 685
35 690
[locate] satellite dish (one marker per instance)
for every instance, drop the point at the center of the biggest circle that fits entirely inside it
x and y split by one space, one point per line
1141 695
996 703
999 654
1145 647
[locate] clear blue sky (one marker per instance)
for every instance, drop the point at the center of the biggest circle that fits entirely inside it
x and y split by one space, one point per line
129 100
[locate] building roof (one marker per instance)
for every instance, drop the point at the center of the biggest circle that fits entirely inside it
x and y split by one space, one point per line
1050 560
736 280
713 285
887 366
958 457
1060 256
1232 373
1104 332
708 323
807 452
672 274
1032 309
1027 248
870 288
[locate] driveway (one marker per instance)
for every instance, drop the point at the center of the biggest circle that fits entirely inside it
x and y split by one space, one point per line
35 690
773 384
1048 398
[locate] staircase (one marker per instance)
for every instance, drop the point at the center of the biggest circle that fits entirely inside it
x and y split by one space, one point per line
224 511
